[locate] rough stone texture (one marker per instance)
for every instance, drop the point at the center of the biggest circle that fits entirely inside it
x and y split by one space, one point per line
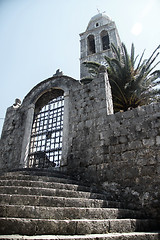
116 153
29 215
119 153
110 236
15 138
11 138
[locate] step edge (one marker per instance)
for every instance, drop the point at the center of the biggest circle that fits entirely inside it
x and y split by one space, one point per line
87 236
77 220
69 208
55 189
45 182
59 197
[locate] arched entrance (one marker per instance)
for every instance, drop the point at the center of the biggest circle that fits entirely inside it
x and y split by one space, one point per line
47 131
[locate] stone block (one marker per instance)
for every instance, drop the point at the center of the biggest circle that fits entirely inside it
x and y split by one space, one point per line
123 139
157 140
147 170
92 227
141 161
128 114
150 109
54 227
128 156
113 140
148 142
17 226
120 225
141 110
134 145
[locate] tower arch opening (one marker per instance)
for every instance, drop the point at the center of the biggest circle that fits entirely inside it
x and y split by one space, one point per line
91 44
105 40
47 131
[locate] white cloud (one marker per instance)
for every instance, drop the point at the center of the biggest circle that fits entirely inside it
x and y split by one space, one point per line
136 29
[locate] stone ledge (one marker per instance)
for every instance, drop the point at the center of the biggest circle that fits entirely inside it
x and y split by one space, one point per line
110 236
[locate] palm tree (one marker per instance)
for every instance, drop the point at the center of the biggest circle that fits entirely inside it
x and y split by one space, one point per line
132 84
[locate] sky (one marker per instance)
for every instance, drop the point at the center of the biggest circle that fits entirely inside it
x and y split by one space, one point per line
37 37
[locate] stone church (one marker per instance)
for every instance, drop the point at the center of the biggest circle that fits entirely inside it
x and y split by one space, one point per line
65 126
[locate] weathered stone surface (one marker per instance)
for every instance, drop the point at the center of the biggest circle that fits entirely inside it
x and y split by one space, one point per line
65 212
109 236
41 214
117 148
116 153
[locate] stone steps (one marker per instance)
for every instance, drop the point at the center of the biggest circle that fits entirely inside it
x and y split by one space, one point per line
42 184
35 177
65 212
108 236
49 192
34 202
41 175
38 172
72 227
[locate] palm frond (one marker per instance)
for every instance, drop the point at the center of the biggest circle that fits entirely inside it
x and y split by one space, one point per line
132 54
132 84
140 60
116 51
149 59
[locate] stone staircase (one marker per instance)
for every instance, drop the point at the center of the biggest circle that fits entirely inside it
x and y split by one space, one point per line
40 204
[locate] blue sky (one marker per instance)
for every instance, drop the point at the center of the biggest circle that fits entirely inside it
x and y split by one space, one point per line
39 36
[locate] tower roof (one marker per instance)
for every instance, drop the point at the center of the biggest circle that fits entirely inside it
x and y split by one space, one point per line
98 20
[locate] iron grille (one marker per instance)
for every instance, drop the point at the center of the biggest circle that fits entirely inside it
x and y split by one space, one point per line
46 137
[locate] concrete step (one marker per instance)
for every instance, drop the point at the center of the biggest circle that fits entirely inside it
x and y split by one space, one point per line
48 201
49 192
61 213
73 227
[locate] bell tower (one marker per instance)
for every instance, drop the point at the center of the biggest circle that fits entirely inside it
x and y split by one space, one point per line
96 40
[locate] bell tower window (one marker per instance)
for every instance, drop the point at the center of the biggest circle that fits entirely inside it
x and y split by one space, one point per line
91 44
105 40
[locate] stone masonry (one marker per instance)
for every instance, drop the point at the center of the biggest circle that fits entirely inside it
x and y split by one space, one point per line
117 153
98 25
121 153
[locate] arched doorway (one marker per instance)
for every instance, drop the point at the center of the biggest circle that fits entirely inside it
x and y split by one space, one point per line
47 131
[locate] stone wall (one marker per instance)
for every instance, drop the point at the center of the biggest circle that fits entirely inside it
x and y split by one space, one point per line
15 138
11 138
120 153
88 111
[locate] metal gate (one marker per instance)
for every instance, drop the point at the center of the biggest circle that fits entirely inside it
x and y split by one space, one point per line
46 137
